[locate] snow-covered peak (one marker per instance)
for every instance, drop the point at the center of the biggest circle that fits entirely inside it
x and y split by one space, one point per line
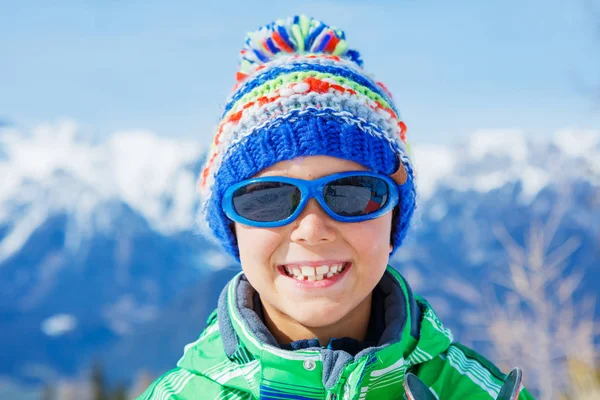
509 143
489 159
575 143
152 174
55 169
37 155
433 165
583 146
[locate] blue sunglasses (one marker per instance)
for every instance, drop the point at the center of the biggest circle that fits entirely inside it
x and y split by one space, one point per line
273 201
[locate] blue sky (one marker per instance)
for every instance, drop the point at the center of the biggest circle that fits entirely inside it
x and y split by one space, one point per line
453 67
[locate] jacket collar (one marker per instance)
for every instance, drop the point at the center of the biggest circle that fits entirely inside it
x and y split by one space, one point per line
240 323
412 330
240 354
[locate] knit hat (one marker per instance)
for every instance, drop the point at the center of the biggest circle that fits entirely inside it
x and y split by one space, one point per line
301 91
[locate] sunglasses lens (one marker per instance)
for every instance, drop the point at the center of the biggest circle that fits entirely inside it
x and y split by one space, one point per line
356 195
266 201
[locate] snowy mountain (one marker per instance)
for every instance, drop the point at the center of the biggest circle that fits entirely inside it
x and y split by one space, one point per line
100 256
95 238
51 170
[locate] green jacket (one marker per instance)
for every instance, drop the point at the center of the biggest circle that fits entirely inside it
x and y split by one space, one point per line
236 357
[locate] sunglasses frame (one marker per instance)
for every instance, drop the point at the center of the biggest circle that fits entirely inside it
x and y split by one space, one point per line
310 189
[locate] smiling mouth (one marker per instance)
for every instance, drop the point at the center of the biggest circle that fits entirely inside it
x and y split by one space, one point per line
314 273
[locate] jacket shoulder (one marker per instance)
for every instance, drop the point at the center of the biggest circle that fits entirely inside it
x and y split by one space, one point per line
462 373
203 372
180 384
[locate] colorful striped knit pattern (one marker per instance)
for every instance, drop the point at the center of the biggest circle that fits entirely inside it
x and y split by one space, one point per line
301 91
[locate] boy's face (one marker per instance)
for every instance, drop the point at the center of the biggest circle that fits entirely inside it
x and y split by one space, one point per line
314 237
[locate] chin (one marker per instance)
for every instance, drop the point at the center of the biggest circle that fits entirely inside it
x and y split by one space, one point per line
314 317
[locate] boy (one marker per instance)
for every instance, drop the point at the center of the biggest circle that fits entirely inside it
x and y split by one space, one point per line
310 186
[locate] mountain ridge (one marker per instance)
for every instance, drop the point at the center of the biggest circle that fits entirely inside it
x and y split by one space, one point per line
100 254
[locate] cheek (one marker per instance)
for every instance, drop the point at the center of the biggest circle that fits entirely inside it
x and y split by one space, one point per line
256 245
370 238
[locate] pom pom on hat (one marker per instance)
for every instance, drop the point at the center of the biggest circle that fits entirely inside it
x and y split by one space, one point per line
294 35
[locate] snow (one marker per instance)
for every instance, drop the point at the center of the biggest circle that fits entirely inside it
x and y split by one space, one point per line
533 180
146 169
59 324
491 159
54 168
432 165
584 145
510 143
21 231
576 143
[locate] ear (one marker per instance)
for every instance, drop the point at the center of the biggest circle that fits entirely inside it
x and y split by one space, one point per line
400 175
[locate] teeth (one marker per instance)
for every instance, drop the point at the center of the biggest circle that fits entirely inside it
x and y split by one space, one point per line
323 269
314 273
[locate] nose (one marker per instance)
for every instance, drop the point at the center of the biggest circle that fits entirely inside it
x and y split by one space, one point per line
313 226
